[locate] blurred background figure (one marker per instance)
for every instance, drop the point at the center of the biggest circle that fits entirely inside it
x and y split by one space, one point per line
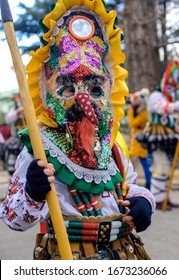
15 119
137 118
160 136
5 133
2 141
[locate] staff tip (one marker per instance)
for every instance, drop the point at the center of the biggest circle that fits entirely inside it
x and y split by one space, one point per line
5 11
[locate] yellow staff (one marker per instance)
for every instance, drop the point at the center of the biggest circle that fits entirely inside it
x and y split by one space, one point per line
37 145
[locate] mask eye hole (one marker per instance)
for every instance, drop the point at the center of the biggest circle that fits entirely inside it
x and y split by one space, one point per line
95 91
66 91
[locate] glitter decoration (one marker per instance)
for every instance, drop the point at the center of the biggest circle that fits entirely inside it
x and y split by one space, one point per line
105 29
79 60
56 110
52 142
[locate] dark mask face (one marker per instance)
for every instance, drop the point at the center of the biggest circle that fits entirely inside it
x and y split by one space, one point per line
80 55
76 88
89 90
76 71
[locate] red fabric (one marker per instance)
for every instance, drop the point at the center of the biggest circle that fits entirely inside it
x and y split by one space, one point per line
43 227
6 131
87 135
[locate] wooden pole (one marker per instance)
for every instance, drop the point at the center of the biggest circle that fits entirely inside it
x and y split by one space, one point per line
37 145
171 176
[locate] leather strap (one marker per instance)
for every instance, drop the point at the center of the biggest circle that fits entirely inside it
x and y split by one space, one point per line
75 248
89 251
116 244
129 249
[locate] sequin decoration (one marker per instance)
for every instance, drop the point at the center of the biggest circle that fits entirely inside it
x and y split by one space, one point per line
58 139
71 54
79 60
55 110
51 143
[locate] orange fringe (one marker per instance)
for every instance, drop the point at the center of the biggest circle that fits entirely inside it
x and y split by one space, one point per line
87 135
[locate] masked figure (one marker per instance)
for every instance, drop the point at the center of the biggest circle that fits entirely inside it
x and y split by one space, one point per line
161 133
78 90
15 119
137 118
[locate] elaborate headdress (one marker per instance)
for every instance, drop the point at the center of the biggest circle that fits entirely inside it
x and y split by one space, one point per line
50 26
170 80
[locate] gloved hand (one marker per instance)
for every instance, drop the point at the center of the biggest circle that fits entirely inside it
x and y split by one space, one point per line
140 212
39 177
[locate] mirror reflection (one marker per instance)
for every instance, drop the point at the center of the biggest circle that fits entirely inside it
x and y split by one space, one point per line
81 28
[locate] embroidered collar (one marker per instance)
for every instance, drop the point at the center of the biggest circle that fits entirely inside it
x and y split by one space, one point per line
78 177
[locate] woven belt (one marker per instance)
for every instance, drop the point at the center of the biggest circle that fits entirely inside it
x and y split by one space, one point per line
99 232
165 120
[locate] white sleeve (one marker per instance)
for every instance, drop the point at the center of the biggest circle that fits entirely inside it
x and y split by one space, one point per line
130 182
157 103
18 210
173 107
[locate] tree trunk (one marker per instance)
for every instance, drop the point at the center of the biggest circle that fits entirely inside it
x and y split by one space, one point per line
140 37
163 14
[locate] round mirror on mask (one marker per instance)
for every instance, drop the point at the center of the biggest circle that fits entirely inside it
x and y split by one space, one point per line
81 27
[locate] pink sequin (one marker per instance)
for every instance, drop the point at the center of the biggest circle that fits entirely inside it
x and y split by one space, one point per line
72 51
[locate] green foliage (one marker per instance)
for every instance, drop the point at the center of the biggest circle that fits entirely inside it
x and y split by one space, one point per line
27 23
